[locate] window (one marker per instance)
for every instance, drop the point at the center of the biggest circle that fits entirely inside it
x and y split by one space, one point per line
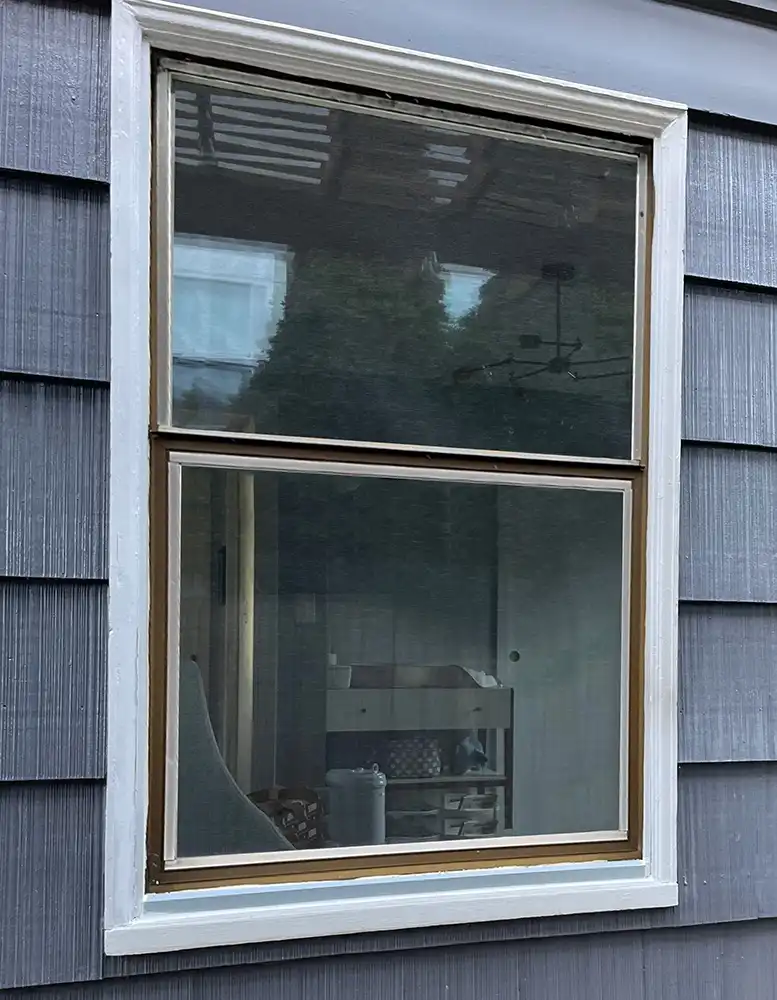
383 659
413 511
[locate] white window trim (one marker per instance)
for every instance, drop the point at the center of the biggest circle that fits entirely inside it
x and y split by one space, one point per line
136 922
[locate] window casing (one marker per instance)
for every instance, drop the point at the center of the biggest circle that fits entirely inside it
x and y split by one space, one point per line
251 449
139 921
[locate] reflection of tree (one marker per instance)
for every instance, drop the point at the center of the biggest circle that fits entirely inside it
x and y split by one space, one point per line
365 350
490 331
360 345
540 395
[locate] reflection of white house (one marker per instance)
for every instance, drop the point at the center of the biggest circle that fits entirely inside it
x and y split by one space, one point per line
462 288
227 301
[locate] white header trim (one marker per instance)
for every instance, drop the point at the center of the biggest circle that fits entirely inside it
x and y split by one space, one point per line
318 56
137 923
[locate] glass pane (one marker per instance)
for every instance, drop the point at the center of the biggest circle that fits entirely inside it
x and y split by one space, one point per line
401 283
375 661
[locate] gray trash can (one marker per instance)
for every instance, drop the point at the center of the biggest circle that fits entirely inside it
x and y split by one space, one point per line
357 806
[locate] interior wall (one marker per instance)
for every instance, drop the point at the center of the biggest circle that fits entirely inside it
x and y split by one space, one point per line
433 604
196 573
266 617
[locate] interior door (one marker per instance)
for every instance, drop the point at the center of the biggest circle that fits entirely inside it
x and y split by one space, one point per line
559 634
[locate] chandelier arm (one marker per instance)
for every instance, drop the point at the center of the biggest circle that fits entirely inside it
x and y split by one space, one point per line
585 378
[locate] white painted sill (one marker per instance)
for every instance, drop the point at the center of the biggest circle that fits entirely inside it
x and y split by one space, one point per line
207 918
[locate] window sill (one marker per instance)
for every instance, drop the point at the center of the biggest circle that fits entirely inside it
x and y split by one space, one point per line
208 918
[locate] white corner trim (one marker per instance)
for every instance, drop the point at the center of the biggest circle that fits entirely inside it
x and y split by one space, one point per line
663 519
129 469
137 923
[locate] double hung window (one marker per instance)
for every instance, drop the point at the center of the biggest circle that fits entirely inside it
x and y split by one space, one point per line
399 465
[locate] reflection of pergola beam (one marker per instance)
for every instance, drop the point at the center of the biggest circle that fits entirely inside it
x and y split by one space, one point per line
238 143
244 120
493 244
205 129
224 164
339 156
479 177
260 159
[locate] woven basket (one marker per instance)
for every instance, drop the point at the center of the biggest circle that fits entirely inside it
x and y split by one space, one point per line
414 757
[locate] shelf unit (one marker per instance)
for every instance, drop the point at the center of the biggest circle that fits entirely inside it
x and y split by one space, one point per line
447 805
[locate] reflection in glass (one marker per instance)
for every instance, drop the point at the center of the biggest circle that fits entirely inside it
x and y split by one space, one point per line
227 301
428 287
371 661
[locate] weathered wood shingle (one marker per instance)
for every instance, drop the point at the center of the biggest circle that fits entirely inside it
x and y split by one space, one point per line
50 882
53 639
730 359
732 206
53 480
54 87
54 273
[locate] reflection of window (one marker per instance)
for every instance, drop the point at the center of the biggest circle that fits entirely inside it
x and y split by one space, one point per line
227 300
411 575
463 286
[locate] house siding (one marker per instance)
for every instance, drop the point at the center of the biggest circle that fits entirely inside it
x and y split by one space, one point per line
53 640
49 881
728 709
54 325
54 94
701 963
720 943
730 353
56 321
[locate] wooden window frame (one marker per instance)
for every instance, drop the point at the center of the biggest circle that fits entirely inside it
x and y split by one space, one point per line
200 913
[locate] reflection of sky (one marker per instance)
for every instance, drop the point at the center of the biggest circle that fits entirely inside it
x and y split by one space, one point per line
462 288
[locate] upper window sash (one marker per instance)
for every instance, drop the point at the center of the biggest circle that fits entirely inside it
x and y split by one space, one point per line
359 279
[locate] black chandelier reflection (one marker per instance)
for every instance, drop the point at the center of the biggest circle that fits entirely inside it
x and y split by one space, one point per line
562 360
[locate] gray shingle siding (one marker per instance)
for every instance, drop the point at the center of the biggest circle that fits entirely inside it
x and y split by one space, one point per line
728 525
732 206
53 278
53 638
728 962
719 943
54 486
50 879
728 708
54 88
730 356
54 269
